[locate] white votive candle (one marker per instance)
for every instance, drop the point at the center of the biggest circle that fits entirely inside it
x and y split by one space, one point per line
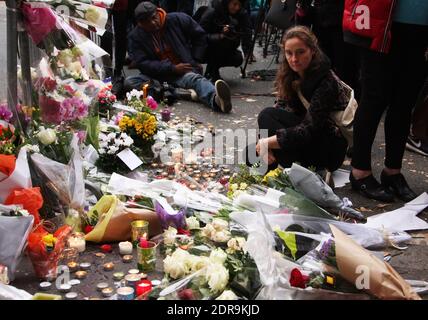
77 241
125 248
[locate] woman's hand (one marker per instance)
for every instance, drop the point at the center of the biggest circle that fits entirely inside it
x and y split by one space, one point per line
264 151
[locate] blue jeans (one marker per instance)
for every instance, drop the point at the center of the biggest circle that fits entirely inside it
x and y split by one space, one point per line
191 80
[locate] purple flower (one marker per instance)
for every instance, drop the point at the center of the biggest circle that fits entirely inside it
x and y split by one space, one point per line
5 114
167 219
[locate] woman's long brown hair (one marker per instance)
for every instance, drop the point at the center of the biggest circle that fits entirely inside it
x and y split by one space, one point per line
285 75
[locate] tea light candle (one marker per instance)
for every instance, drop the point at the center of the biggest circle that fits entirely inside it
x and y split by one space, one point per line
85 266
155 165
71 295
143 287
45 286
205 175
102 285
134 271
107 292
125 248
81 274
109 266
127 258
74 282
72 266
118 276
77 240
64 288
166 115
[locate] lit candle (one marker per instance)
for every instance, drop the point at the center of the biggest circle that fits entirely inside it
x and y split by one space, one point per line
77 240
118 276
125 248
127 258
85 266
107 292
145 90
81 274
109 266
102 285
72 266
143 287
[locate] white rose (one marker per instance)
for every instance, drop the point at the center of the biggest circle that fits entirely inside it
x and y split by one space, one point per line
227 295
192 223
221 236
169 236
181 255
47 136
235 244
218 256
208 231
175 268
217 277
220 224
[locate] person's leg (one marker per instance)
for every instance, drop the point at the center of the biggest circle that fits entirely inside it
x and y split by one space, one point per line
273 119
375 97
106 44
120 21
135 82
408 62
215 96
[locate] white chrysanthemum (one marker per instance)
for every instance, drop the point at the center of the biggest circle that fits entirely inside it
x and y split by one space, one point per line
101 151
218 256
128 141
111 136
169 235
220 224
192 223
221 236
112 150
217 277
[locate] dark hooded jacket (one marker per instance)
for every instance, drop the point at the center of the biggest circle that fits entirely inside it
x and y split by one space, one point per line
186 38
216 16
323 89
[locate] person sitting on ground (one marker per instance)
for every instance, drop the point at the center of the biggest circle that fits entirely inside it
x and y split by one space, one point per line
227 24
169 48
296 133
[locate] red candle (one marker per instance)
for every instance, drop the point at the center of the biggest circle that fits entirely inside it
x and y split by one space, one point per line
106 248
143 287
144 243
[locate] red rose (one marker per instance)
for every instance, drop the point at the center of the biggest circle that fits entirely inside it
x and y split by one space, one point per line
106 248
297 279
88 229
186 294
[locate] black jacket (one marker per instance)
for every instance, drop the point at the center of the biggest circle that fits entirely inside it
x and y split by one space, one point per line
186 38
322 13
216 16
323 90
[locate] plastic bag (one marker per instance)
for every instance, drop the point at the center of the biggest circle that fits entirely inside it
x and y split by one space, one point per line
313 187
114 221
13 237
65 182
12 293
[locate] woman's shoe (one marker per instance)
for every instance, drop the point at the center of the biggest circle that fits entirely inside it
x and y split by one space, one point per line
397 184
371 188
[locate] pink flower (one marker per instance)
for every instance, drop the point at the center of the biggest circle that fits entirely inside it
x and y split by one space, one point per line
151 103
38 21
119 117
81 135
50 109
73 109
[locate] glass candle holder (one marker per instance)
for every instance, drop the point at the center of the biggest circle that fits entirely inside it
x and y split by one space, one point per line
147 257
140 229
77 241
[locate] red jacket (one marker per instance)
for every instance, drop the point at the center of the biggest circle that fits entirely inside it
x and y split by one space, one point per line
378 36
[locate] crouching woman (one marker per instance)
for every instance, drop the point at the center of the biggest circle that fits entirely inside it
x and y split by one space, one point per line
299 127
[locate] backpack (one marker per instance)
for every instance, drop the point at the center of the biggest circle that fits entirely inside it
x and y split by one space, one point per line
344 119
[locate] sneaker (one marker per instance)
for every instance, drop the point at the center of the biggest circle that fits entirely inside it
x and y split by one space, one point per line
417 145
223 96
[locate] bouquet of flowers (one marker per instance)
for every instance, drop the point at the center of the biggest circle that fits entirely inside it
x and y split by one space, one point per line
110 146
9 139
105 100
53 142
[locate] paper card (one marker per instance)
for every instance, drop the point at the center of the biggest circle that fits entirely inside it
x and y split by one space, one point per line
274 195
130 159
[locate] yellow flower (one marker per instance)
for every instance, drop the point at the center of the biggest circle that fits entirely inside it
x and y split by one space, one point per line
243 186
92 15
271 174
